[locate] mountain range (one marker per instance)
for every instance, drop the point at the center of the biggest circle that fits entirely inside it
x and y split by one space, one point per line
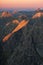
21 37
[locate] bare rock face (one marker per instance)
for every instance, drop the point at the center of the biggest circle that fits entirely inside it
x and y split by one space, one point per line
15 21
6 14
37 15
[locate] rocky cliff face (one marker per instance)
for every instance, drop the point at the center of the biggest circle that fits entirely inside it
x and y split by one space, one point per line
6 14
38 15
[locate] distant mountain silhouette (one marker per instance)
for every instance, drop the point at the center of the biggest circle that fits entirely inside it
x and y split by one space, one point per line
39 10
22 17
15 12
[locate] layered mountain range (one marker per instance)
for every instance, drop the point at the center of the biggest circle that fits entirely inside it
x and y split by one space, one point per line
21 38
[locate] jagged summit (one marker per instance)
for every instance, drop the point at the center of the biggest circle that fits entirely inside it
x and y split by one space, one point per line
6 14
38 13
15 12
38 10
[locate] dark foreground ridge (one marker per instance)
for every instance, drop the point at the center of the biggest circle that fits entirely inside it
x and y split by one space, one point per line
25 47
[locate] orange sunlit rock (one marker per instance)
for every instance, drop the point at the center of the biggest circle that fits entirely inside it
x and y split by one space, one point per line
15 21
7 37
37 15
20 26
6 14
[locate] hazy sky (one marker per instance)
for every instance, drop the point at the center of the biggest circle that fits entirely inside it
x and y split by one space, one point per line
21 4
